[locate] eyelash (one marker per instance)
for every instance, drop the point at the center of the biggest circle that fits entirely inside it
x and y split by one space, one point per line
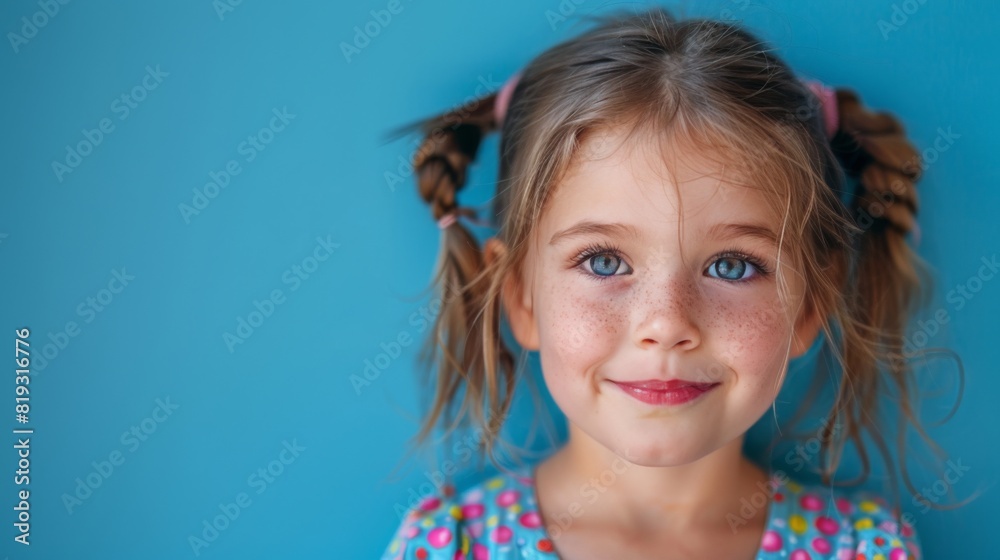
762 269
596 249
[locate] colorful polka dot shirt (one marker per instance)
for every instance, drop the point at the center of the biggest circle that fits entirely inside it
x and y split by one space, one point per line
498 519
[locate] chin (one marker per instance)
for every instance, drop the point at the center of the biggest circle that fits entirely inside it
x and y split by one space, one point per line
659 451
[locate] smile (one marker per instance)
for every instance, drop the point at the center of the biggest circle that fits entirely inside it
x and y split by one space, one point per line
673 392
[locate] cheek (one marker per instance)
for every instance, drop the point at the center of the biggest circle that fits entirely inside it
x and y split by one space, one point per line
577 329
753 339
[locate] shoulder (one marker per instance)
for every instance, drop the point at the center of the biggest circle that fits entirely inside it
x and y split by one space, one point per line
816 521
494 518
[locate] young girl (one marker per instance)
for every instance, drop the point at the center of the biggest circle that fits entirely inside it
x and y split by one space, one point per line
674 226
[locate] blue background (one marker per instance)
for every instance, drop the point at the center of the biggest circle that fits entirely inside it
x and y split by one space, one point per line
323 175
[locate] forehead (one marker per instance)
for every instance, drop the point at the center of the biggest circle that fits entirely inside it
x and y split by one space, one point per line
649 179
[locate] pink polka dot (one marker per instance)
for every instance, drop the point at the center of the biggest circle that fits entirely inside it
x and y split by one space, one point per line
771 542
412 531
845 554
508 498
531 520
439 537
480 552
459 555
897 554
472 511
826 525
907 530
473 496
430 504
821 545
811 502
844 506
476 529
800 555
502 534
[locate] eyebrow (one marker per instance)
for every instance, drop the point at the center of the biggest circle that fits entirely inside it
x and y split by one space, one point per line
588 227
722 231
730 231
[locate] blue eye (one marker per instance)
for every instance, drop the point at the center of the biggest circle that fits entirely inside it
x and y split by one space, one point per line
606 264
601 262
732 268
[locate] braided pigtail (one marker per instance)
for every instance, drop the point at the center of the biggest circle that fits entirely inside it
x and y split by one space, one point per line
873 148
887 281
464 355
889 278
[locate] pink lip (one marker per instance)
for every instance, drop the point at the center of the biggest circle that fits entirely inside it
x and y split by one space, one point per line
675 391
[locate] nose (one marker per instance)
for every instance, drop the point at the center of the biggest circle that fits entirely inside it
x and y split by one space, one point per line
668 316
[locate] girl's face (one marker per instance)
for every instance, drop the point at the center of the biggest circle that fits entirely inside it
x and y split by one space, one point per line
655 306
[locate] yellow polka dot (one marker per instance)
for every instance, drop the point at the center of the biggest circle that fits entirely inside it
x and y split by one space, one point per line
515 508
495 483
798 524
456 512
896 542
465 545
878 557
868 506
864 523
794 487
492 521
394 547
428 522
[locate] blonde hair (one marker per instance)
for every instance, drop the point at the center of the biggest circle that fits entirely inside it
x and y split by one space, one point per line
715 85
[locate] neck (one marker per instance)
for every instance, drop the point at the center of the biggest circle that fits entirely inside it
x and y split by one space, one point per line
646 499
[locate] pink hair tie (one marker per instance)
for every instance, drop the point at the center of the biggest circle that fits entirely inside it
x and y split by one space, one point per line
447 220
828 99
503 98
468 214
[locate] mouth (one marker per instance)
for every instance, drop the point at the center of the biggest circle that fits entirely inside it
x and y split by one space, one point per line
658 392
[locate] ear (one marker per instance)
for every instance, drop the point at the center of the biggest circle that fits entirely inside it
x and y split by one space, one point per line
807 328
515 298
